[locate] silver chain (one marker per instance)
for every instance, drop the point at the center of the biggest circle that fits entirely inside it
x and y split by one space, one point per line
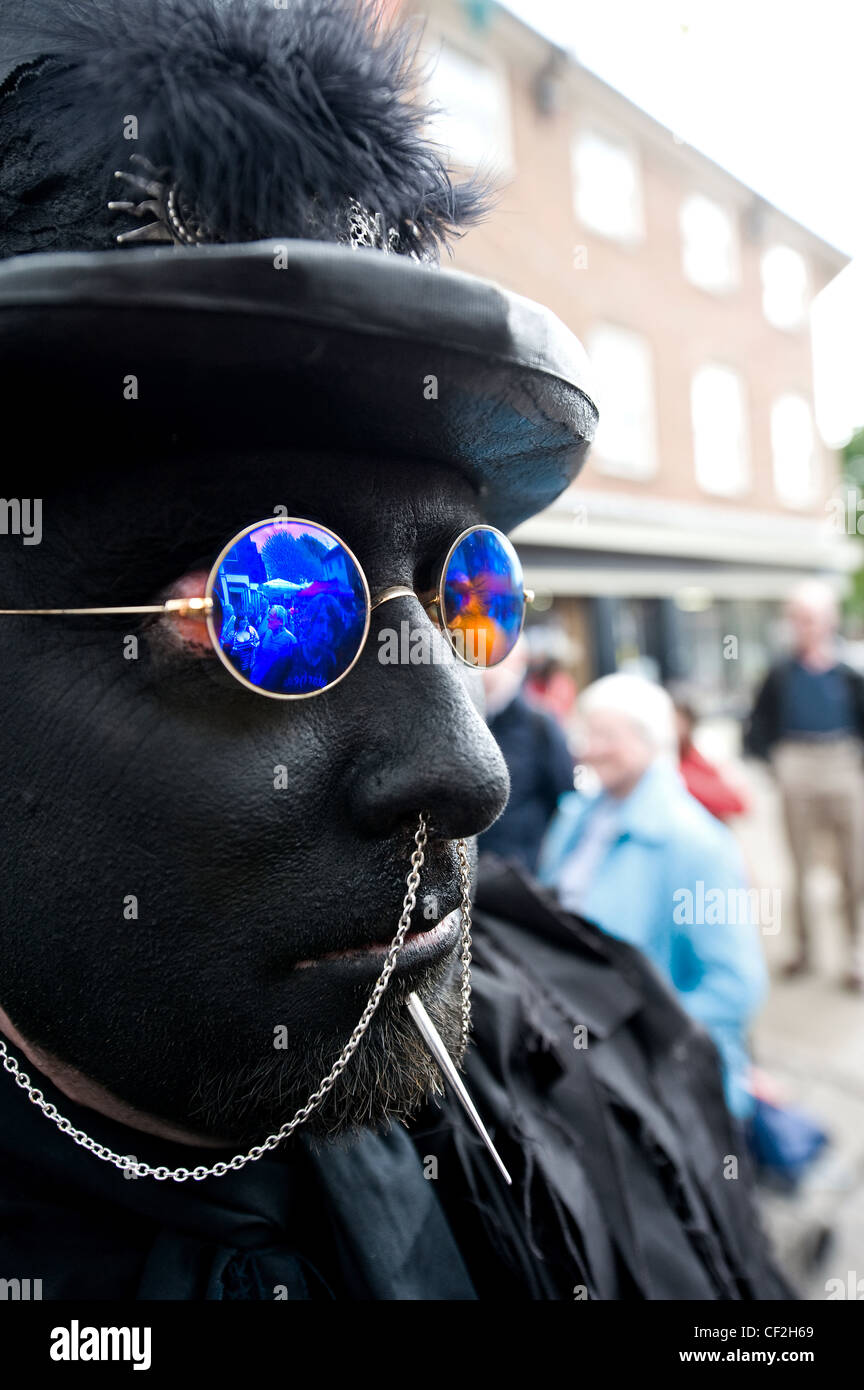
128 1164
465 953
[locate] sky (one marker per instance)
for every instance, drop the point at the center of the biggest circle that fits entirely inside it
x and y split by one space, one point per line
772 90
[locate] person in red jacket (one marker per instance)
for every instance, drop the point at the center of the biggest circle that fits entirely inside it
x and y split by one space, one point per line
701 778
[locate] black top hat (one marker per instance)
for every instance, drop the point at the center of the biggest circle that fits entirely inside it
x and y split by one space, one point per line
279 225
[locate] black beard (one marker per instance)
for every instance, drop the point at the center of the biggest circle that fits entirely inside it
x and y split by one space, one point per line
388 1077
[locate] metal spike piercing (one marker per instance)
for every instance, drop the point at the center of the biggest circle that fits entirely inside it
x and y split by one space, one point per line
128 1164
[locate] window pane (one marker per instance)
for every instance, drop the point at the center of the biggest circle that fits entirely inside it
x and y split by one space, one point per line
784 287
794 449
709 244
608 192
719 431
474 124
621 364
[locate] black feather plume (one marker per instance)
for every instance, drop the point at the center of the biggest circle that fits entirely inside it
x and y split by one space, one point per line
269 119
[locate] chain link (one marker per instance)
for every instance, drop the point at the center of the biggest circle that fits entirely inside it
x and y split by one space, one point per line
465 954
128 1164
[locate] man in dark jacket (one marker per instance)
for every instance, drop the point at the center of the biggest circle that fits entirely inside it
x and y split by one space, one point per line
808 721
538 760
221 900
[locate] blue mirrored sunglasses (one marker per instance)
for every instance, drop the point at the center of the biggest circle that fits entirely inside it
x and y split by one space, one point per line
288 607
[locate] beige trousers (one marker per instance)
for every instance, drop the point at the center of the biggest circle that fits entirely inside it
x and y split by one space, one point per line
822 786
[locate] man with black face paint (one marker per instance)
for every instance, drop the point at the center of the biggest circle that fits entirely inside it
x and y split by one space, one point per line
211 932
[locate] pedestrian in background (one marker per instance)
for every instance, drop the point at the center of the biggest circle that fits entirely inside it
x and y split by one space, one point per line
808 722
701 778
538 760
628 858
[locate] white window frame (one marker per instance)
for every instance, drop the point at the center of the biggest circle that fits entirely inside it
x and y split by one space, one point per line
785 322
447 127
642 463
634 232
711 480
729 277
796 498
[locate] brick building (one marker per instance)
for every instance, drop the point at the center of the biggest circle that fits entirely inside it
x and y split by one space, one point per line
704 499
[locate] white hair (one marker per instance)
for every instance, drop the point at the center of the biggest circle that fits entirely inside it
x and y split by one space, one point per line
816 595
645 704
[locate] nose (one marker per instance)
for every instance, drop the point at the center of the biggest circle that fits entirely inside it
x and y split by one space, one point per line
425 746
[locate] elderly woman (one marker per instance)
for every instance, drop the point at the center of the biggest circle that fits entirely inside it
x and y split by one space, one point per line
651 866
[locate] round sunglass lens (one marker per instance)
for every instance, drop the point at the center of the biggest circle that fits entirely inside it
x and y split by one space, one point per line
483 597
290 607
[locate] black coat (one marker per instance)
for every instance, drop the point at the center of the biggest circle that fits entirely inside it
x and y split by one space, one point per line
632 1180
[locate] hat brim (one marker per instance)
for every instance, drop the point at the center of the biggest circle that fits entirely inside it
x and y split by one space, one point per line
307 344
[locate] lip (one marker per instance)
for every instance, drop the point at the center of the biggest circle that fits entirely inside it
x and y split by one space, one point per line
421 947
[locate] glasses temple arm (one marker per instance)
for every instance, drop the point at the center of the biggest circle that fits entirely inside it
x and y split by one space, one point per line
178 607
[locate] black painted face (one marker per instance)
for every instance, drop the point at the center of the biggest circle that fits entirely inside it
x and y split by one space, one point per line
251 837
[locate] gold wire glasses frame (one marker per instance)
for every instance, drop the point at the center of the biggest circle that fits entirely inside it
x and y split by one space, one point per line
203 606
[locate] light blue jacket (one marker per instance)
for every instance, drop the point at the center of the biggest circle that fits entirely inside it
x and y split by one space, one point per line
650 889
